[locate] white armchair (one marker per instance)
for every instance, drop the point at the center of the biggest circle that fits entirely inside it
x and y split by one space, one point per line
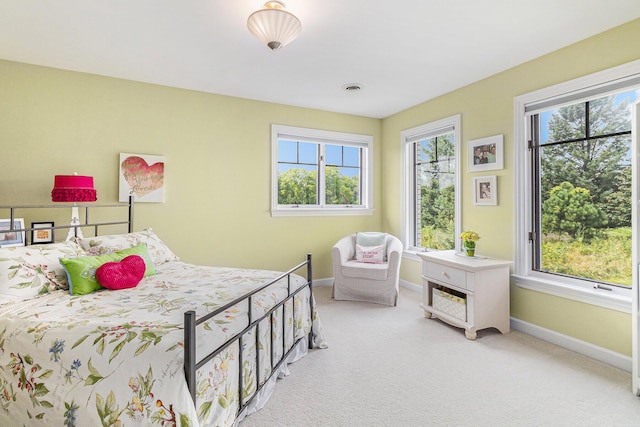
358 281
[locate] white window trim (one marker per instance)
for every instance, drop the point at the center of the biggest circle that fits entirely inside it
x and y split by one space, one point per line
407 179
364 141
619 299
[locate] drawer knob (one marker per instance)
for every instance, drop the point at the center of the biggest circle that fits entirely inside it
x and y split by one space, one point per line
444 274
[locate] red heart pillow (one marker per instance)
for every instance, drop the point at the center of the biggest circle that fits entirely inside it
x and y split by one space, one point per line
121 275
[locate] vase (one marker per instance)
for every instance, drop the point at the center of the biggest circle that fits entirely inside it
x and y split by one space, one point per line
469 248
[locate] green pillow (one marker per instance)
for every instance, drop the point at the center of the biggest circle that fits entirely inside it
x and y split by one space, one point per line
81 271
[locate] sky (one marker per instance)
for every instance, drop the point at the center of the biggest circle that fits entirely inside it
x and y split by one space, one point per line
294 154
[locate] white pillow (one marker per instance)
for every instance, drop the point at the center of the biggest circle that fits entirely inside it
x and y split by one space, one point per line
370 254
372 238
100 245
29 271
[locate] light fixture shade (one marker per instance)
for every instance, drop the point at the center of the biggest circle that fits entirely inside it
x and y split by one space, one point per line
274 26
73 188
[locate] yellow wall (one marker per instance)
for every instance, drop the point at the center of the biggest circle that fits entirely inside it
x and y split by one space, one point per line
217 151
487 109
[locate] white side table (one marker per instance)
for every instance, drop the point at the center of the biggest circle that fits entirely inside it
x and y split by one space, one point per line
467 292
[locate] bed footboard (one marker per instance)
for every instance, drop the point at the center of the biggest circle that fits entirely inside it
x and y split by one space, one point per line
191 364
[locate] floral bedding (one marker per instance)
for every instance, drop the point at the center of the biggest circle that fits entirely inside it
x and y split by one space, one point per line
115 358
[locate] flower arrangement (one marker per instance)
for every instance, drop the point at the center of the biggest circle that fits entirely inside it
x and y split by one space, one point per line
469 236
469 239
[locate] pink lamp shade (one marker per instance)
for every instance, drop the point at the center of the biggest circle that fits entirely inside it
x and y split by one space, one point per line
73 188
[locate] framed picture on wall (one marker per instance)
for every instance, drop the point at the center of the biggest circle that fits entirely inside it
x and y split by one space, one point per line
141 176
486 153
485 190
9 236
42 232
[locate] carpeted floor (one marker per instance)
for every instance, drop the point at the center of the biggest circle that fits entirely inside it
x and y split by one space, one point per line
390 366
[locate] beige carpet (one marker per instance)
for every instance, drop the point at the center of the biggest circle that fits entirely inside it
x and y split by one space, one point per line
390 366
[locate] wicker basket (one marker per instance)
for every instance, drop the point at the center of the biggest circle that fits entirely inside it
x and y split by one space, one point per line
449 303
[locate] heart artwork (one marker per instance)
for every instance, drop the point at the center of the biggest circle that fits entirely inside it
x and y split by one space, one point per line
121 275
142 178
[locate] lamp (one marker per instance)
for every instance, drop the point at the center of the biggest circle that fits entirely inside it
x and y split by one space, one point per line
73 188
273 25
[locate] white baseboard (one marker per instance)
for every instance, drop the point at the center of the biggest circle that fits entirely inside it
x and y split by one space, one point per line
323 282
587 349
411 286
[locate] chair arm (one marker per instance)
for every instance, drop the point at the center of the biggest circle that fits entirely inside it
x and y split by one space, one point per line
394 253
344 249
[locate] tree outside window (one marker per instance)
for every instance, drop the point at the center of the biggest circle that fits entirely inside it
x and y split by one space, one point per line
435 192
319 172
431 184
582 154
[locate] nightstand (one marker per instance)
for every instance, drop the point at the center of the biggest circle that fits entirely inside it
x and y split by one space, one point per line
467 292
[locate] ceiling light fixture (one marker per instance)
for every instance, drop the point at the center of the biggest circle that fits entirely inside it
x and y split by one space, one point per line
273 25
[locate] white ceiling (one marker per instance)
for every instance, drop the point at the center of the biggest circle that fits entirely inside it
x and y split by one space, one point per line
401 52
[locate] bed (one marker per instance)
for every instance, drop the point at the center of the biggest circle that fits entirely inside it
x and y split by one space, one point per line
190 345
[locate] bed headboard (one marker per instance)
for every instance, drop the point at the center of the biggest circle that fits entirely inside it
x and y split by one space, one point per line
15 232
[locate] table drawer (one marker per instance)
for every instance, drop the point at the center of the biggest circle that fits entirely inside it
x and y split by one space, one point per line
445 274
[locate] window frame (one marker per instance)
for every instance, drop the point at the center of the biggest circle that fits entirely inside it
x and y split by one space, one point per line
408 179
577 90
364 142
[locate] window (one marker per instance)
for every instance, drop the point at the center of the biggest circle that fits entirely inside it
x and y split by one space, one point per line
573 172
318 172
431 185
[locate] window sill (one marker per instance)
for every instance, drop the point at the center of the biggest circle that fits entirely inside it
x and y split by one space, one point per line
321 212
411 254
597 297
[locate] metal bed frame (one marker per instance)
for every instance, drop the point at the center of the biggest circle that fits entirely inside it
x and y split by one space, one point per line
191 365
12 216
191 321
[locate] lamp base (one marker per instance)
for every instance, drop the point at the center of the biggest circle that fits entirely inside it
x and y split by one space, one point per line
74 230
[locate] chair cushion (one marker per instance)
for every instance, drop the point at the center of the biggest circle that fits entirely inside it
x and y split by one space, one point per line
361 270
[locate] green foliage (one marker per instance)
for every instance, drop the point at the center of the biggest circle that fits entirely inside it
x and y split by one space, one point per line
298 186
437 238
437 194
570 210
437 207
595 164
606 258
617 206
340 189
585 188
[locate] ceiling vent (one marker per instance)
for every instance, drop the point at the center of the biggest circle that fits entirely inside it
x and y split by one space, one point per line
352 87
